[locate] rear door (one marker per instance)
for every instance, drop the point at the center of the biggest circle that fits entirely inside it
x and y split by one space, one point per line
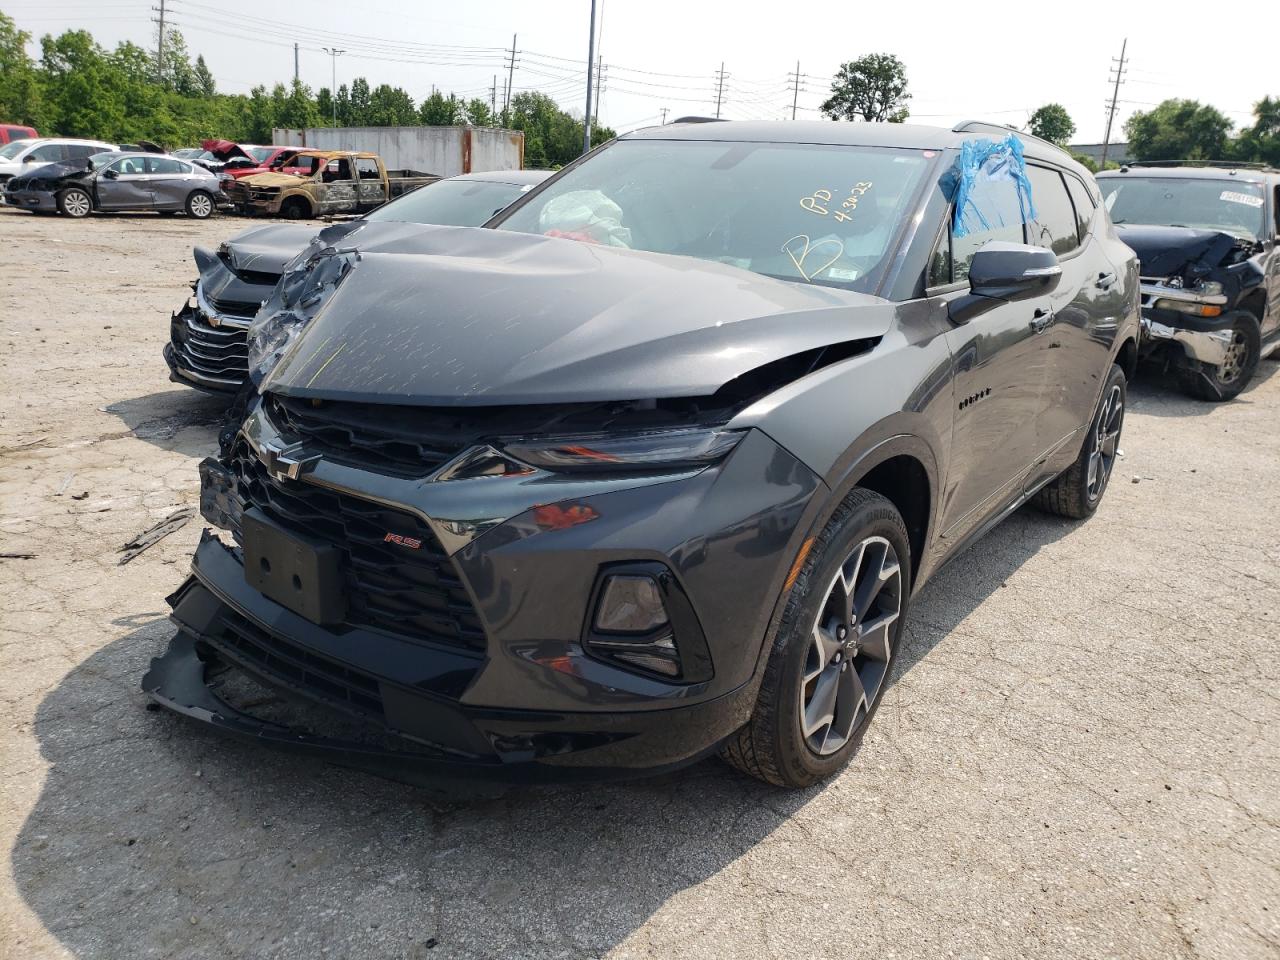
171 181
125 185
1085 317
998 371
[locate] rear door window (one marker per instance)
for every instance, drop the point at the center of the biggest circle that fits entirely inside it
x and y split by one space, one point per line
165 165
1083 203
49 153
81 151
1055 226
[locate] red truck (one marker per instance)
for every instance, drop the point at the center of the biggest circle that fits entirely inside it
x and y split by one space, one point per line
12 131
243 159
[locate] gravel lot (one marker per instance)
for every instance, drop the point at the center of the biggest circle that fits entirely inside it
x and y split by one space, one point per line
1078 756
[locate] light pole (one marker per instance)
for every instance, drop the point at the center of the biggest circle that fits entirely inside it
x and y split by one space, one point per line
591 57
334 53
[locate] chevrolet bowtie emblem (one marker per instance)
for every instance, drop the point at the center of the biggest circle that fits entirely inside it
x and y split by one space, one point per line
286 462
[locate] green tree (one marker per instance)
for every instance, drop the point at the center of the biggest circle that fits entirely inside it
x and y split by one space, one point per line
1178 130
438 110
176 72
1260 143
260 116
325 105
298 109
480 114
552 137
205 86
344 106
873 87
20 94
85 95
358 112
1052 122
391 107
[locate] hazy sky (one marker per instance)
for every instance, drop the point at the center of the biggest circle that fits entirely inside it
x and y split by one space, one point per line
985 60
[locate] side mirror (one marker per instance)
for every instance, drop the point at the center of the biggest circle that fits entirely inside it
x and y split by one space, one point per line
1003 272
111 174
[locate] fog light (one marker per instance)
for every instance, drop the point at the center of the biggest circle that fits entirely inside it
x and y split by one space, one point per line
630 604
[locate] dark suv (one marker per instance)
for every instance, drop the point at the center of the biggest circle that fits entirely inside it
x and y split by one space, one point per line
1206 237
652 465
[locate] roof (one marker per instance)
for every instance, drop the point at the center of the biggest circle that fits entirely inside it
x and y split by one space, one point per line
318 152
507 176
1239 174
34 140
907 136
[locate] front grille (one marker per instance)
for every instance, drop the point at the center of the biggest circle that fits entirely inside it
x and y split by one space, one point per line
411 593
380 438
218 353
272 655
234 308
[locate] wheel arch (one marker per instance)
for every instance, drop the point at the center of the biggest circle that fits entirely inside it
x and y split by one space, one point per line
1127 358
301 199
1255 303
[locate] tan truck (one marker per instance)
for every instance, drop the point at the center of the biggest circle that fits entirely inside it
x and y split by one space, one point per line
329 182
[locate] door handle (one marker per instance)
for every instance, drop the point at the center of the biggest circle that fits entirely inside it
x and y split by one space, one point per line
1041 319
1105 280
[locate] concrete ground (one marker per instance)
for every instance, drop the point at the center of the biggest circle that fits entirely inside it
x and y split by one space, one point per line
1078 756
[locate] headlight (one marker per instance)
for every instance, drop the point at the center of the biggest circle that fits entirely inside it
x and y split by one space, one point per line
1188 307
306 286
655 450
270 335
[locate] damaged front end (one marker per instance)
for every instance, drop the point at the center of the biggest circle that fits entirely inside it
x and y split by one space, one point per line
1191 282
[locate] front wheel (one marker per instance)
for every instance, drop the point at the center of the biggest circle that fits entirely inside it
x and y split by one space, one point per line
200 205
830 659
295 208
75 203
1078 490
1225 381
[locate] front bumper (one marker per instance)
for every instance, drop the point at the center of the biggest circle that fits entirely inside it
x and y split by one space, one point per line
31 200
529 700
1207 346
1205 339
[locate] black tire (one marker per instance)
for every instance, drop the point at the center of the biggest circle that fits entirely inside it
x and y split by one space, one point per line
168 213
75 203
773 746
1218 384
1075 492
200 205
295 208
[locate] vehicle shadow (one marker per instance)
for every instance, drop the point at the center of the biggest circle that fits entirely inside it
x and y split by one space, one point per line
152 838
1157 392
181 420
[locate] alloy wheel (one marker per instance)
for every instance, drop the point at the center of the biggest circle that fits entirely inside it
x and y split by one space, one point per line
201 206
1233 361
848 658
77 204
1105 441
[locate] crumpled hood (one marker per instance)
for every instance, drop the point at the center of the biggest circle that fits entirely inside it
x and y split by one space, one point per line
267 249
225 150
436 315
54 171
1176 251
273 179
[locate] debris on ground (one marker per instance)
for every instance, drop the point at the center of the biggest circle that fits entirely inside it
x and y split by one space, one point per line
155 534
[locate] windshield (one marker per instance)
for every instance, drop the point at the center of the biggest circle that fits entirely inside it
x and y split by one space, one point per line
13 148
455 203
261 154
802 212
1226 205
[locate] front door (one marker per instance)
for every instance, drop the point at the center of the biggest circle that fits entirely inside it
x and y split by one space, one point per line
338 190
125 185
998 380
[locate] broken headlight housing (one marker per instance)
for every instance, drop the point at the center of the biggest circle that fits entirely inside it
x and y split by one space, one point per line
308 283
675 449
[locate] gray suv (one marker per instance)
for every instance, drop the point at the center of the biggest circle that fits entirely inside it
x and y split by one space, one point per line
652 465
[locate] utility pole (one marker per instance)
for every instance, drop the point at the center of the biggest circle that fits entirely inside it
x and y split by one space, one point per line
664 116
296 77
1115 95
795 90
493 95
335 53
511 72
160 45
720 78
595 120
591 55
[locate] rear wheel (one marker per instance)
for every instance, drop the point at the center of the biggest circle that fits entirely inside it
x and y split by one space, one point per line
295 208
1078 490
830 658
200 205
75 203
1225 381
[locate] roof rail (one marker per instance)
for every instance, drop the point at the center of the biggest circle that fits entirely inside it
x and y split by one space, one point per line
698 120
1225 164
981 126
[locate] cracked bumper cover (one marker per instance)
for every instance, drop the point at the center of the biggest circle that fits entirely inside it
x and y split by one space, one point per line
1207 346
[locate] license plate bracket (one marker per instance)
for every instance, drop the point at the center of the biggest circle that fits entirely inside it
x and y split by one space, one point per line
296 571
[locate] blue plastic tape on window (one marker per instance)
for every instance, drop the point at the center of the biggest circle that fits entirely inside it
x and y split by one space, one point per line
988 185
